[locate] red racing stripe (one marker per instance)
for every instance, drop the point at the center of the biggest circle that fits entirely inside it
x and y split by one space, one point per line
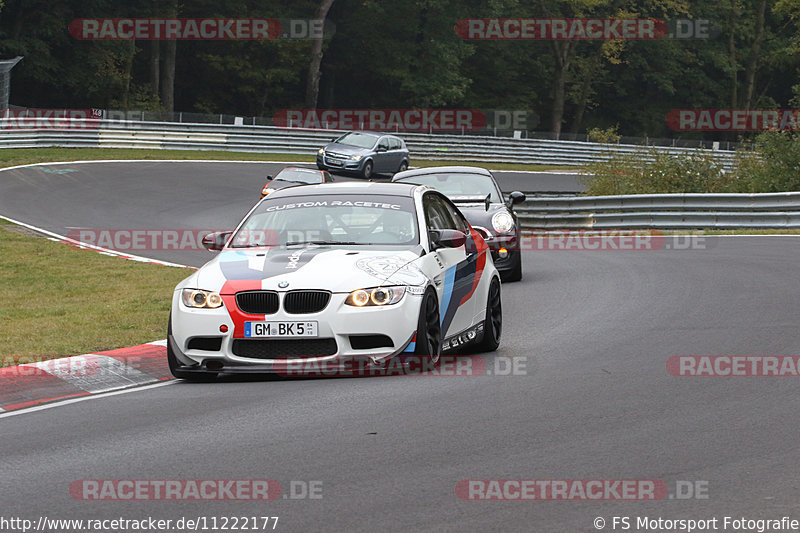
480 262
228 294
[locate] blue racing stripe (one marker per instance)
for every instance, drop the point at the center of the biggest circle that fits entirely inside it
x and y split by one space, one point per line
449 282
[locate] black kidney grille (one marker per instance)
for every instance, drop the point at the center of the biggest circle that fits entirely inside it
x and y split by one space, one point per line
258 302
297 302
284 348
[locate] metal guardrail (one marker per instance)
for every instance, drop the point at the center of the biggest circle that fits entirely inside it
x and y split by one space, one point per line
36 132
663 211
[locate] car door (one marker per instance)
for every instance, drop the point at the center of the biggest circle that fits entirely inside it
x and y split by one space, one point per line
382 159
455 281
395 153
473 267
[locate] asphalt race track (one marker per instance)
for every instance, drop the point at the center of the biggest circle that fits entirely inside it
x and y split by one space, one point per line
590 330
169 196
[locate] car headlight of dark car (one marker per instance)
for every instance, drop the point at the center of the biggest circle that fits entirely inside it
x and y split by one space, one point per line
503 222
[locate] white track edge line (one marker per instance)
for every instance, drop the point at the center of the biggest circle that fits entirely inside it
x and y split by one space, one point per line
93 247
132 388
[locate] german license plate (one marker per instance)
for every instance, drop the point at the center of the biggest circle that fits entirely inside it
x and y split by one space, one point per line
280 329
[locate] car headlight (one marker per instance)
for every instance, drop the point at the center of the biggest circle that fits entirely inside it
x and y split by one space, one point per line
356 157
199 299
502 222
375 296
321 151
267 190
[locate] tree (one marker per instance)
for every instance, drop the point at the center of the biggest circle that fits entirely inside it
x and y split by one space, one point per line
312 83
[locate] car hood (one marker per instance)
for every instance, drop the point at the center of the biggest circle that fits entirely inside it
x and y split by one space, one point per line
317 267
477 215
346 149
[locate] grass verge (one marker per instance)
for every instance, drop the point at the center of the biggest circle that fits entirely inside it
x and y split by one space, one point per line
25 156
62 301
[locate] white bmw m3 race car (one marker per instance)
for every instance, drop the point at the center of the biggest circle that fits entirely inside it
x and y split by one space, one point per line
328 274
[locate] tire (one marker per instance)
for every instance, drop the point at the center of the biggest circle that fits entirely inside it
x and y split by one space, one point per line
366 172
515 273
403 167
493 323
322 167
429 330
172 361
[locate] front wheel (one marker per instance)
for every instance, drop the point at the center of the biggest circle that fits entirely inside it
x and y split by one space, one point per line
366 172
515 273
493 322
429 329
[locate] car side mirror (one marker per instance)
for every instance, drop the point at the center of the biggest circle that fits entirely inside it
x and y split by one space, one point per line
381 149
515 198
446 238
214 242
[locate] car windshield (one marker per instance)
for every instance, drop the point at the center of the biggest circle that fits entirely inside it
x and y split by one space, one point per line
330 220
299 175
361 140
458 185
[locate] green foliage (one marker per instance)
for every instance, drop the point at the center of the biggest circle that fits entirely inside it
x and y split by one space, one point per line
771 163
606 136
658 173
403 54
778 167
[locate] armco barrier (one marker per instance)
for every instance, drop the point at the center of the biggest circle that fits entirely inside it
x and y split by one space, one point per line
270 139
663 211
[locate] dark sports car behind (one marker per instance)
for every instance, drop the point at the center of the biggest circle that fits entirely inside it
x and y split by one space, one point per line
476 193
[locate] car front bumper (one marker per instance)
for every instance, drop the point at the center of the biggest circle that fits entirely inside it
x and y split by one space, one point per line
343 324
348 165
508 241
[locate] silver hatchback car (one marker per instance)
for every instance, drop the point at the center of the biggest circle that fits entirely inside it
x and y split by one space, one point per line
364 153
